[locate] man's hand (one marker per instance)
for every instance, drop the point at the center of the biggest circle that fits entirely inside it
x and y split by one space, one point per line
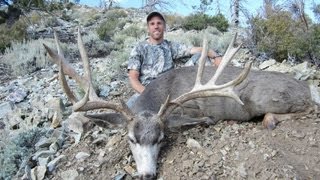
216 61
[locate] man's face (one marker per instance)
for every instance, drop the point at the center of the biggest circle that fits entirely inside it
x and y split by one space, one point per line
156 27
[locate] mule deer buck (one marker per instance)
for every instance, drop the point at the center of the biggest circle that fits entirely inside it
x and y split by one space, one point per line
230 93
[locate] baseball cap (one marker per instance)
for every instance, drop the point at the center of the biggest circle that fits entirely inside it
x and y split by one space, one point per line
153 14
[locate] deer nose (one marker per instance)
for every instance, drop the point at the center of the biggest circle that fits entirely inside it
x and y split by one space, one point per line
148 177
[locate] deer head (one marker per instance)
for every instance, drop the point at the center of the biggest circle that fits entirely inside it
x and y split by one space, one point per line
145 128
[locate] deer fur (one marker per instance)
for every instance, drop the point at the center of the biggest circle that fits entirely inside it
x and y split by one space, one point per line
183 96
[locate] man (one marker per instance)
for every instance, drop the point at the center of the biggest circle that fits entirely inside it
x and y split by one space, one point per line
156 55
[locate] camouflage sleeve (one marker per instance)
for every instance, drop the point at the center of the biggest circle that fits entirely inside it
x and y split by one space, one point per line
134 61
180 50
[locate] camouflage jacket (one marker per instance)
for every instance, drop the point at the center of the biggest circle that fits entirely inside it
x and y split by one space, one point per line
152 60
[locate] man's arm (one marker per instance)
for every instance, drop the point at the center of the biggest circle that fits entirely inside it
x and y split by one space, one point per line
134 81
215 57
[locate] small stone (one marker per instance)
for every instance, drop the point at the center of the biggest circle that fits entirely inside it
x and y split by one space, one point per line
242 170
38 172
69 174
5 108
298 134
81 156
267 64
43 161
130 170
187 164
52 164
192 143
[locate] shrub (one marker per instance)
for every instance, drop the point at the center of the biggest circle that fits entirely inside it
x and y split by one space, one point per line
55 6
17 32
112 24
217 40
220 22
17 150
134 31
116 14
202 21
174 21
280 36
119 57
95 46
26 57
314 40
107 29
196 22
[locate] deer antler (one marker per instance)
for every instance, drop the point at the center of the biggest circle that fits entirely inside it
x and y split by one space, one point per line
90 101
210 88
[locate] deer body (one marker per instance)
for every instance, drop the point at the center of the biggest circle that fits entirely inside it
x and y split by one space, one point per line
261 92
204 94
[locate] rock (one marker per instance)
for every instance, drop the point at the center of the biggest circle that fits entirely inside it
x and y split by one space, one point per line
187 164
112 141
38 172
104 91
283 68
43 143
303 71
57 108
81 156
56 119
53 164
314 86
43 161
45 153
130 170
298 134
71 174
74 125
192 143
17 95
267 64
5 108
242 170
120 176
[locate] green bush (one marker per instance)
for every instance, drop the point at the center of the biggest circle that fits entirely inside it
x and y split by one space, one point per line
55 6
17 32
112 24
134 31
314 40
202 21
116 14
281 36
119 57
17 150
220 22
107 29
196 22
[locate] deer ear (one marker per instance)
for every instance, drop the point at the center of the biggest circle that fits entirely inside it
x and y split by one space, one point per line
107 120
176 121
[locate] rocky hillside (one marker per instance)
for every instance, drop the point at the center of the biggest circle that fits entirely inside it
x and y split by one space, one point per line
42 139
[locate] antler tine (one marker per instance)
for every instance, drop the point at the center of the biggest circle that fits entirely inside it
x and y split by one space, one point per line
202 62
231 51
210 88
84 57
85 104
64 84
60 52
86 66
90 101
